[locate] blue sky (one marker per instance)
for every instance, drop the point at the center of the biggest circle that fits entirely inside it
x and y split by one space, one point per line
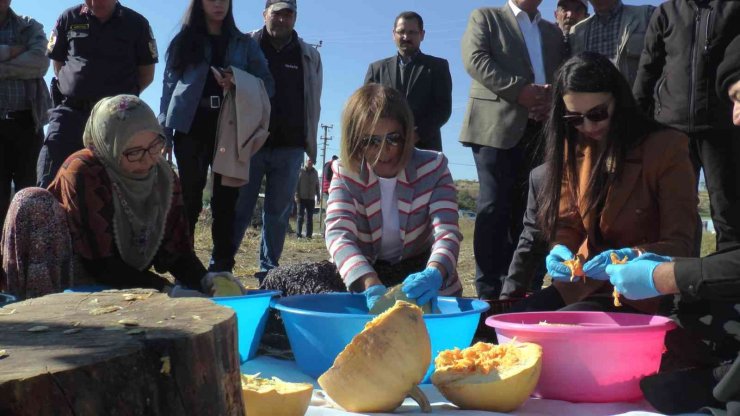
354 33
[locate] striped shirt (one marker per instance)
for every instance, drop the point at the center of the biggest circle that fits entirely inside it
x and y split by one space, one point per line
603 36
427 208
12 91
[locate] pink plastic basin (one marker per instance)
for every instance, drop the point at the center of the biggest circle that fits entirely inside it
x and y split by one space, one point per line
597 357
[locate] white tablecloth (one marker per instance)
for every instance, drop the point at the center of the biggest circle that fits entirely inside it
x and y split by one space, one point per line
288 371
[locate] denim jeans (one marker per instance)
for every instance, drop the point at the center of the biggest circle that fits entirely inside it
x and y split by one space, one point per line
280 167
305 210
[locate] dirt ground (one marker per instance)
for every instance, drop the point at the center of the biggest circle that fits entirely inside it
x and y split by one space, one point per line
313 250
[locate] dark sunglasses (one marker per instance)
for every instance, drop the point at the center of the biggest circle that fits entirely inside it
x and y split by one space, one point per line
393 140
154 149
596 114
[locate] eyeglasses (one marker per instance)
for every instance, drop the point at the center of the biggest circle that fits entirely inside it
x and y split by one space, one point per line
154 149
393 140
409 33
596 114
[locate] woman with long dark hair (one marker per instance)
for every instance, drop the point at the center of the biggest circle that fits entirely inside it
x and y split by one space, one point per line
614 178
199 62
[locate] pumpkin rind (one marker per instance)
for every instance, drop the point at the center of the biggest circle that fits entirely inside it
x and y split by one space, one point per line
389 299
383 363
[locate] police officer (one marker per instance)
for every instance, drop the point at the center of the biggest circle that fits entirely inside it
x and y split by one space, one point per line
98 49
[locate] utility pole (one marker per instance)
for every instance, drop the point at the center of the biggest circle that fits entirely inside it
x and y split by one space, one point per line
325 140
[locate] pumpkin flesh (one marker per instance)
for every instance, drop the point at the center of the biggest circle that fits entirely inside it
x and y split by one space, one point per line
274 397
495 378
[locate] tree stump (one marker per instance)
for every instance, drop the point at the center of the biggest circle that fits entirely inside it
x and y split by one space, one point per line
133 352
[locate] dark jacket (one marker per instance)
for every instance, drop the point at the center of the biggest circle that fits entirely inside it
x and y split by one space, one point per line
710 287
684 45
532 248
652 208
429 93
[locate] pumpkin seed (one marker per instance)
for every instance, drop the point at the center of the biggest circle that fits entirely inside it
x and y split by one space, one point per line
105 310
39 328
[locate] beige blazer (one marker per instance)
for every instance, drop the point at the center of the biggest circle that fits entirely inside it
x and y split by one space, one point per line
243 125
495 56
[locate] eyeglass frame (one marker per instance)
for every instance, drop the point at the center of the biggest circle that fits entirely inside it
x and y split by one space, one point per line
393 139
160 141
594 115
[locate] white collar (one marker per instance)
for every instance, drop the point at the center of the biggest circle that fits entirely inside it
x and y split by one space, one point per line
517 12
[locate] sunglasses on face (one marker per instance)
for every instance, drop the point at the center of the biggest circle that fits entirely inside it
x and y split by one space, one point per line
392 139
596 114
154 149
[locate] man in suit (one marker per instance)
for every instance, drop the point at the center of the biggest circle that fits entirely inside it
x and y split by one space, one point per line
511 54
424 79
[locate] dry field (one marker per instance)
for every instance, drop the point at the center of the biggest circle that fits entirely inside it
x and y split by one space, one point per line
305 250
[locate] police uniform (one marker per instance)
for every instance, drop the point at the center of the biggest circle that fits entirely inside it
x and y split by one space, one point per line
100 60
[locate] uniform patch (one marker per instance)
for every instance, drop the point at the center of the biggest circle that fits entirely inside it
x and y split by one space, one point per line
80 26
52 41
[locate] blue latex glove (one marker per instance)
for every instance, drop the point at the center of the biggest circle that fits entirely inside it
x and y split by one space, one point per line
373 294
554 262
423 286
596 267
634 280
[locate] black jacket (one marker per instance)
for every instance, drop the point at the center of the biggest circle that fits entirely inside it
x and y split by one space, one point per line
429 93
684 45
710 287
532 248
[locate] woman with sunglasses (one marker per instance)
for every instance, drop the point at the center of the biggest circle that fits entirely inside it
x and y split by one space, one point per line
114 210
392 211
197 74
613 178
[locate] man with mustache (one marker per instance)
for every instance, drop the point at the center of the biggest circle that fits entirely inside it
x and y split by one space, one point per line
424 79
294 122
616 31
570 12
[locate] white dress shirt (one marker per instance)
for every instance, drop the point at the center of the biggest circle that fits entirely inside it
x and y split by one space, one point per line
531 31
391 246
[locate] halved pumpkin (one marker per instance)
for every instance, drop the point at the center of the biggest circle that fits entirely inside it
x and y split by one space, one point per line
274 397
495 378
383 364
389 299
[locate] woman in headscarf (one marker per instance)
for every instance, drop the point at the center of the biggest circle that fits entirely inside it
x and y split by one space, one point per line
123 207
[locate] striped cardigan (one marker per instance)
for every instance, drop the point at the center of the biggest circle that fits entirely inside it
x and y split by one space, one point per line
427 205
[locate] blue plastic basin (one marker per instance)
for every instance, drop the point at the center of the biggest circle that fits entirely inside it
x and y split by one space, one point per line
320 326
6 299
251 317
